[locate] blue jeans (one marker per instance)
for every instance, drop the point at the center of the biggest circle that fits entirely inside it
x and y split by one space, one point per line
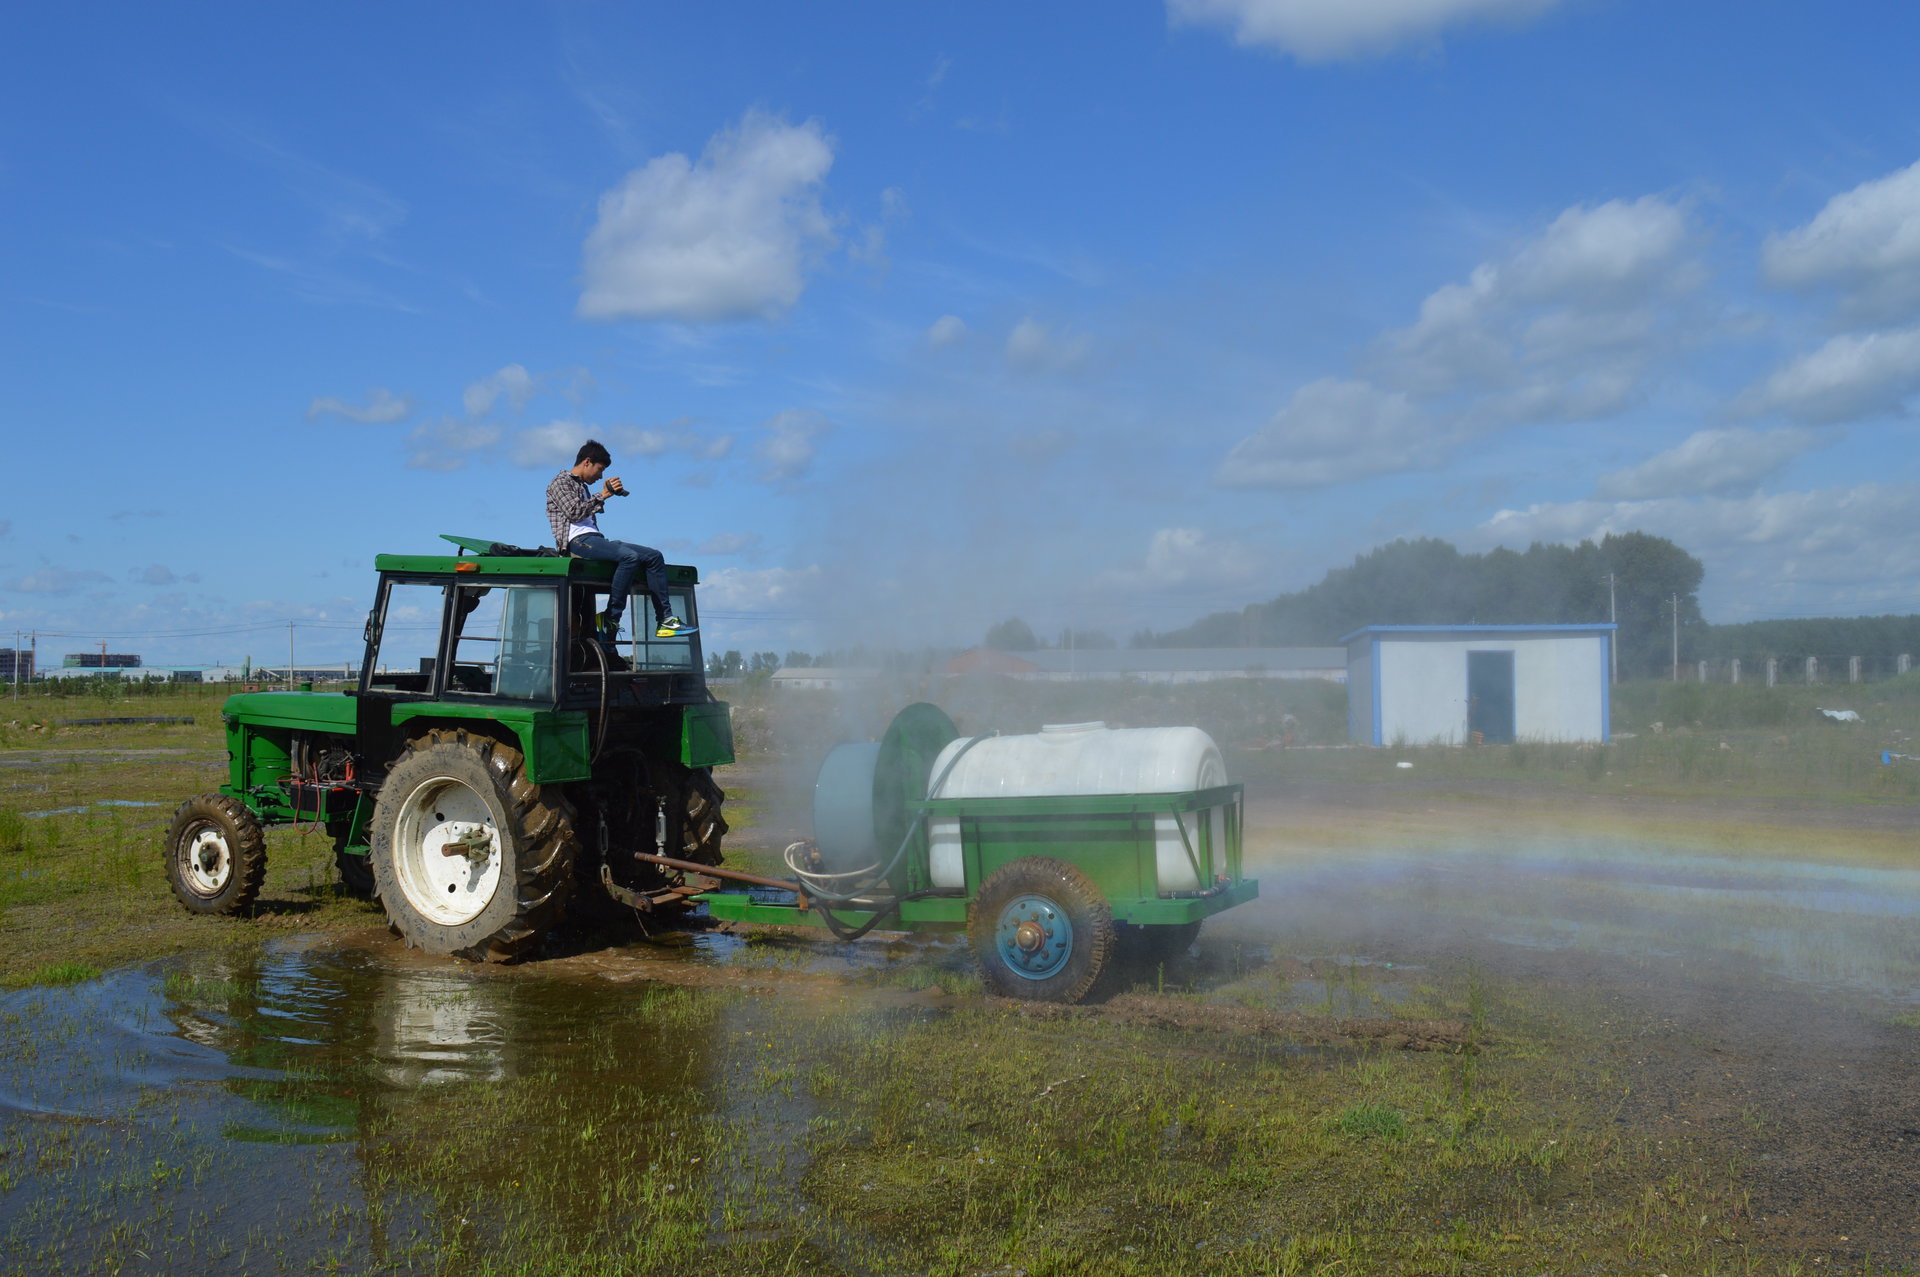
628 559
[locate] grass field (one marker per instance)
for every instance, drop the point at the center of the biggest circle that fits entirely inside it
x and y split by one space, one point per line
781 1107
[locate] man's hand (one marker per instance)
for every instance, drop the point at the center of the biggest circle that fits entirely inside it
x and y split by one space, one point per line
613 487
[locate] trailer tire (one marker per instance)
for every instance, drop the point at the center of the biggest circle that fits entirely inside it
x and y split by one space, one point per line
511 885
1041 931
216 855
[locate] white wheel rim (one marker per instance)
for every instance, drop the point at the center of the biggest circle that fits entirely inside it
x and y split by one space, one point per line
205 861
446 889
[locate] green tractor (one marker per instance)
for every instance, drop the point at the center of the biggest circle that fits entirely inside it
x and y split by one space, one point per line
489 763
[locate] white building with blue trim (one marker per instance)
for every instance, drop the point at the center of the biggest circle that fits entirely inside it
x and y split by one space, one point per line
1479 684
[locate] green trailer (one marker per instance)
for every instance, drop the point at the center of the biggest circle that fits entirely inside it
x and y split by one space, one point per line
1049 886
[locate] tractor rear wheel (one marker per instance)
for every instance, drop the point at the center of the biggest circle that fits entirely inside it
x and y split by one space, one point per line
216 855
469 856
1041 931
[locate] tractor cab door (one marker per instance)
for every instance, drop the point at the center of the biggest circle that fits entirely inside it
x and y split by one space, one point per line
428 637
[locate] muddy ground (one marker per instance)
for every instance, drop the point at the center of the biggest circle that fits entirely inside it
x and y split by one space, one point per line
1814 1092
1803 1077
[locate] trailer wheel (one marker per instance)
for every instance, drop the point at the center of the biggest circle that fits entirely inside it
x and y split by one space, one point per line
1041 931
469 856
216 855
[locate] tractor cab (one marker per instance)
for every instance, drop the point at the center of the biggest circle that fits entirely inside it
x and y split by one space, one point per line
496 628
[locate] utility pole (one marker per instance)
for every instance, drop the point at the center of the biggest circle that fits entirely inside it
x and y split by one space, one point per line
289 656
16 665
1676 638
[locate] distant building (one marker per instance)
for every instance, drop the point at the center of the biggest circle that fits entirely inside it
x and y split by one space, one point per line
1478 684
822 678
16 666
1155 664
101 661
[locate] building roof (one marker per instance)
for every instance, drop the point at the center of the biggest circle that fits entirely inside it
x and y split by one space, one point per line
1597 627
1148 660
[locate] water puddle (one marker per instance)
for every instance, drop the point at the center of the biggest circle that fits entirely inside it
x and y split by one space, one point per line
305 1106
104 804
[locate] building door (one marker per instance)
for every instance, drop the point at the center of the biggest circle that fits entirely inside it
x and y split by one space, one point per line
1490 697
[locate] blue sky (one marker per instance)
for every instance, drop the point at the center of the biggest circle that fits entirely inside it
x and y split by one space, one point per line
900 320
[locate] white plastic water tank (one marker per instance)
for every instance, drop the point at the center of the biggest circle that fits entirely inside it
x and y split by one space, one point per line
1083 758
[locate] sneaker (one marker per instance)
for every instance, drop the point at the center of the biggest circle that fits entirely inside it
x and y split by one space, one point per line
606 627
674 627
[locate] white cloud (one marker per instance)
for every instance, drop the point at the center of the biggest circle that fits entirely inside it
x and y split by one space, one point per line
787 449
448 444
1568 326
1865 243
554 444
1033 347
1191 557
53 579
1330 30
728 237
1850 377
1708 461
512 383
948 330
679 436
1333 431
763 590
1565 328
383 407
729 543
558 442
1843 549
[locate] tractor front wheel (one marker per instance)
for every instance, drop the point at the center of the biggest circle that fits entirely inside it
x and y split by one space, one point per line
469 856
216 855
1041 931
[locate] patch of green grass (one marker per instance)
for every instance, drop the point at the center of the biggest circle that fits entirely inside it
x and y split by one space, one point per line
55 973
1372 1122
13 832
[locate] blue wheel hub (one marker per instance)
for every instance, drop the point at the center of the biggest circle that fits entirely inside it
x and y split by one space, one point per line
1033 937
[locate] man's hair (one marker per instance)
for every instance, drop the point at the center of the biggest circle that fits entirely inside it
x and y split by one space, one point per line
595 451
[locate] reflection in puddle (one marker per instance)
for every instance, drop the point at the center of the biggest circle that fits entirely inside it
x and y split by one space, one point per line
305 1106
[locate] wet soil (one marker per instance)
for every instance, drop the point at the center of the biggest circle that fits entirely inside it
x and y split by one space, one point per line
1810 1085
1147 1010
1814 1092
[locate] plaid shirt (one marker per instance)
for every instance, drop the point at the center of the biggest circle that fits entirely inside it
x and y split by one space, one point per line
569 502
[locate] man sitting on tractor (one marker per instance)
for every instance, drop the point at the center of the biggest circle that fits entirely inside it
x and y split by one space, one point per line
573 510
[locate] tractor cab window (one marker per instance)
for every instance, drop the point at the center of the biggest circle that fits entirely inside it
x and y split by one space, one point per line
503 640
650 653
636 649
405 634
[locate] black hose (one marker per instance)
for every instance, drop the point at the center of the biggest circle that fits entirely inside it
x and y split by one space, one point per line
887 910
600 737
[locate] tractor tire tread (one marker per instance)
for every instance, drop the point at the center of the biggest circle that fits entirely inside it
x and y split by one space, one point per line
246 845
539 820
